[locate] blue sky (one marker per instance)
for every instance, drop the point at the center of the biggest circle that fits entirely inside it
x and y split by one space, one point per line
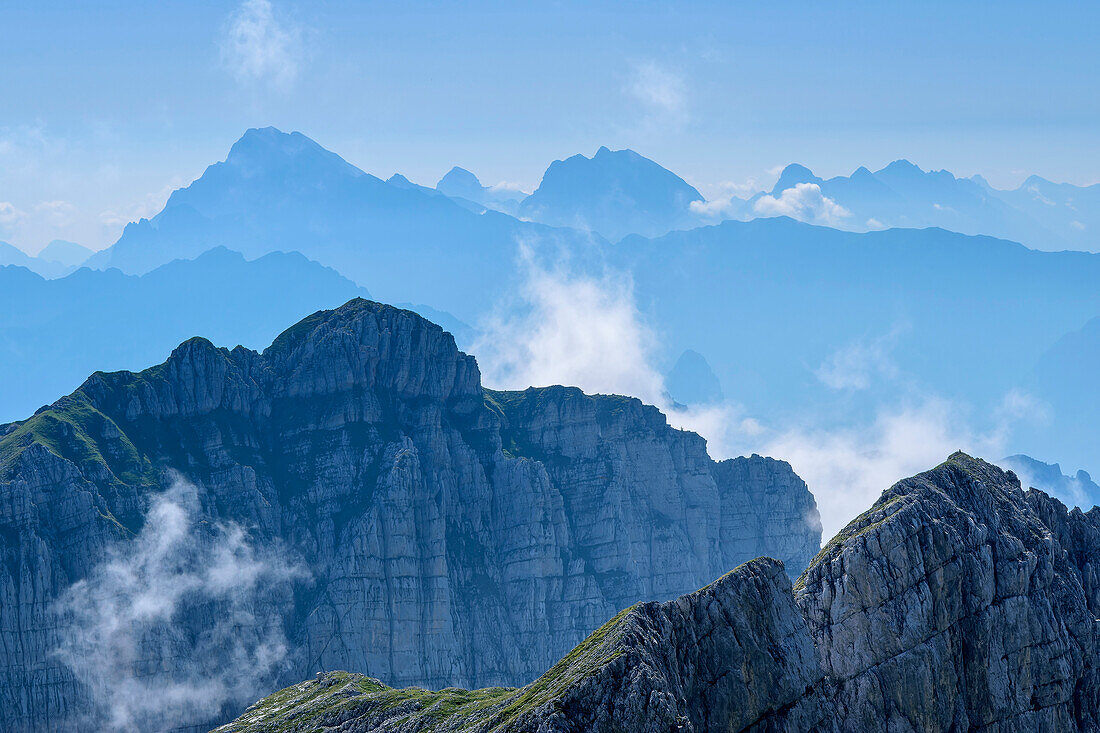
108 106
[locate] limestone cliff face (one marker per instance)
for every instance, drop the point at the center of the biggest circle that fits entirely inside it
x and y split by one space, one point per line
452 535
958 602
734 656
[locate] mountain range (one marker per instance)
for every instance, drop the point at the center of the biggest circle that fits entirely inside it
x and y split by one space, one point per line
284 192
614 193
1077 490
794 321
53 333
1038 213
177 540
956 602
809 322
57 259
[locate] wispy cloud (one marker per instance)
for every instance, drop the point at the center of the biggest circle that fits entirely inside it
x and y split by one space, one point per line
660 93
804 202
178 623
848 467
260 48
726 199
150 205
9 213
856 365
580 329
570 328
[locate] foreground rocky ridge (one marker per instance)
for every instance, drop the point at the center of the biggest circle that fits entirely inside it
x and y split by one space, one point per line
958 602
731 656
451 535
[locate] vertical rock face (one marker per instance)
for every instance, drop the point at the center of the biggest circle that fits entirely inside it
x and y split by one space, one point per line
957 602
451 535
733 656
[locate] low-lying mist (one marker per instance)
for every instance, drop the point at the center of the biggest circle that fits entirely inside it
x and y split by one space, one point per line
571 325
179 625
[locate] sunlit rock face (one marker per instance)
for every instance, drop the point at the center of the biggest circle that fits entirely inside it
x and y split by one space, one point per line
447 534
958 602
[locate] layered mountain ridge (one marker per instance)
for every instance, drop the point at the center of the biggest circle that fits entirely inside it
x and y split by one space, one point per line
958 602
1039 213
451 535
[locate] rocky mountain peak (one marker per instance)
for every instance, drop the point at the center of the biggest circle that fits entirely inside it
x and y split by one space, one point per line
452 535
957 602
459 179
792 175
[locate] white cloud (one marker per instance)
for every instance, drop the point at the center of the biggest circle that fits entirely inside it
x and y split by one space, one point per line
856 365
720 208
661 94
9 214
584 330
259 48
118 622
510 187
1077 225
848 468
725 199
571 329
57 213
804 202
873 223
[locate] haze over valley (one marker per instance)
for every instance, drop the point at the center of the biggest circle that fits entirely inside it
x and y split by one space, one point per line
489 368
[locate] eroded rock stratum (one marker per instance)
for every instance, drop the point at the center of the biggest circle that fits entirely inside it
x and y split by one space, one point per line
449 534
958 602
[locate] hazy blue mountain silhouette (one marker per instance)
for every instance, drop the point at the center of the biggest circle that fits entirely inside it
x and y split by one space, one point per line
1077 490
614 193
782 309
12 255
460 183
1040 214
1066 378
68 254
1071 212
903 195
774 304
282 192
691 381
54 333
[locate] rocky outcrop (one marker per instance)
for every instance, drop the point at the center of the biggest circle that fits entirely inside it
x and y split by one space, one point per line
734 656
449 535
958 602
954 604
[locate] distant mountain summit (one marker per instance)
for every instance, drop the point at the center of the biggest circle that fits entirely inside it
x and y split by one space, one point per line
12 255
1040 214
278 191
462 184
614 193
453 535
1078 490
53 333
68 254
692 381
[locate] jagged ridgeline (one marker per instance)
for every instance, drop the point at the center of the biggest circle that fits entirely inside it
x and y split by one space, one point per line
440 533
958 602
